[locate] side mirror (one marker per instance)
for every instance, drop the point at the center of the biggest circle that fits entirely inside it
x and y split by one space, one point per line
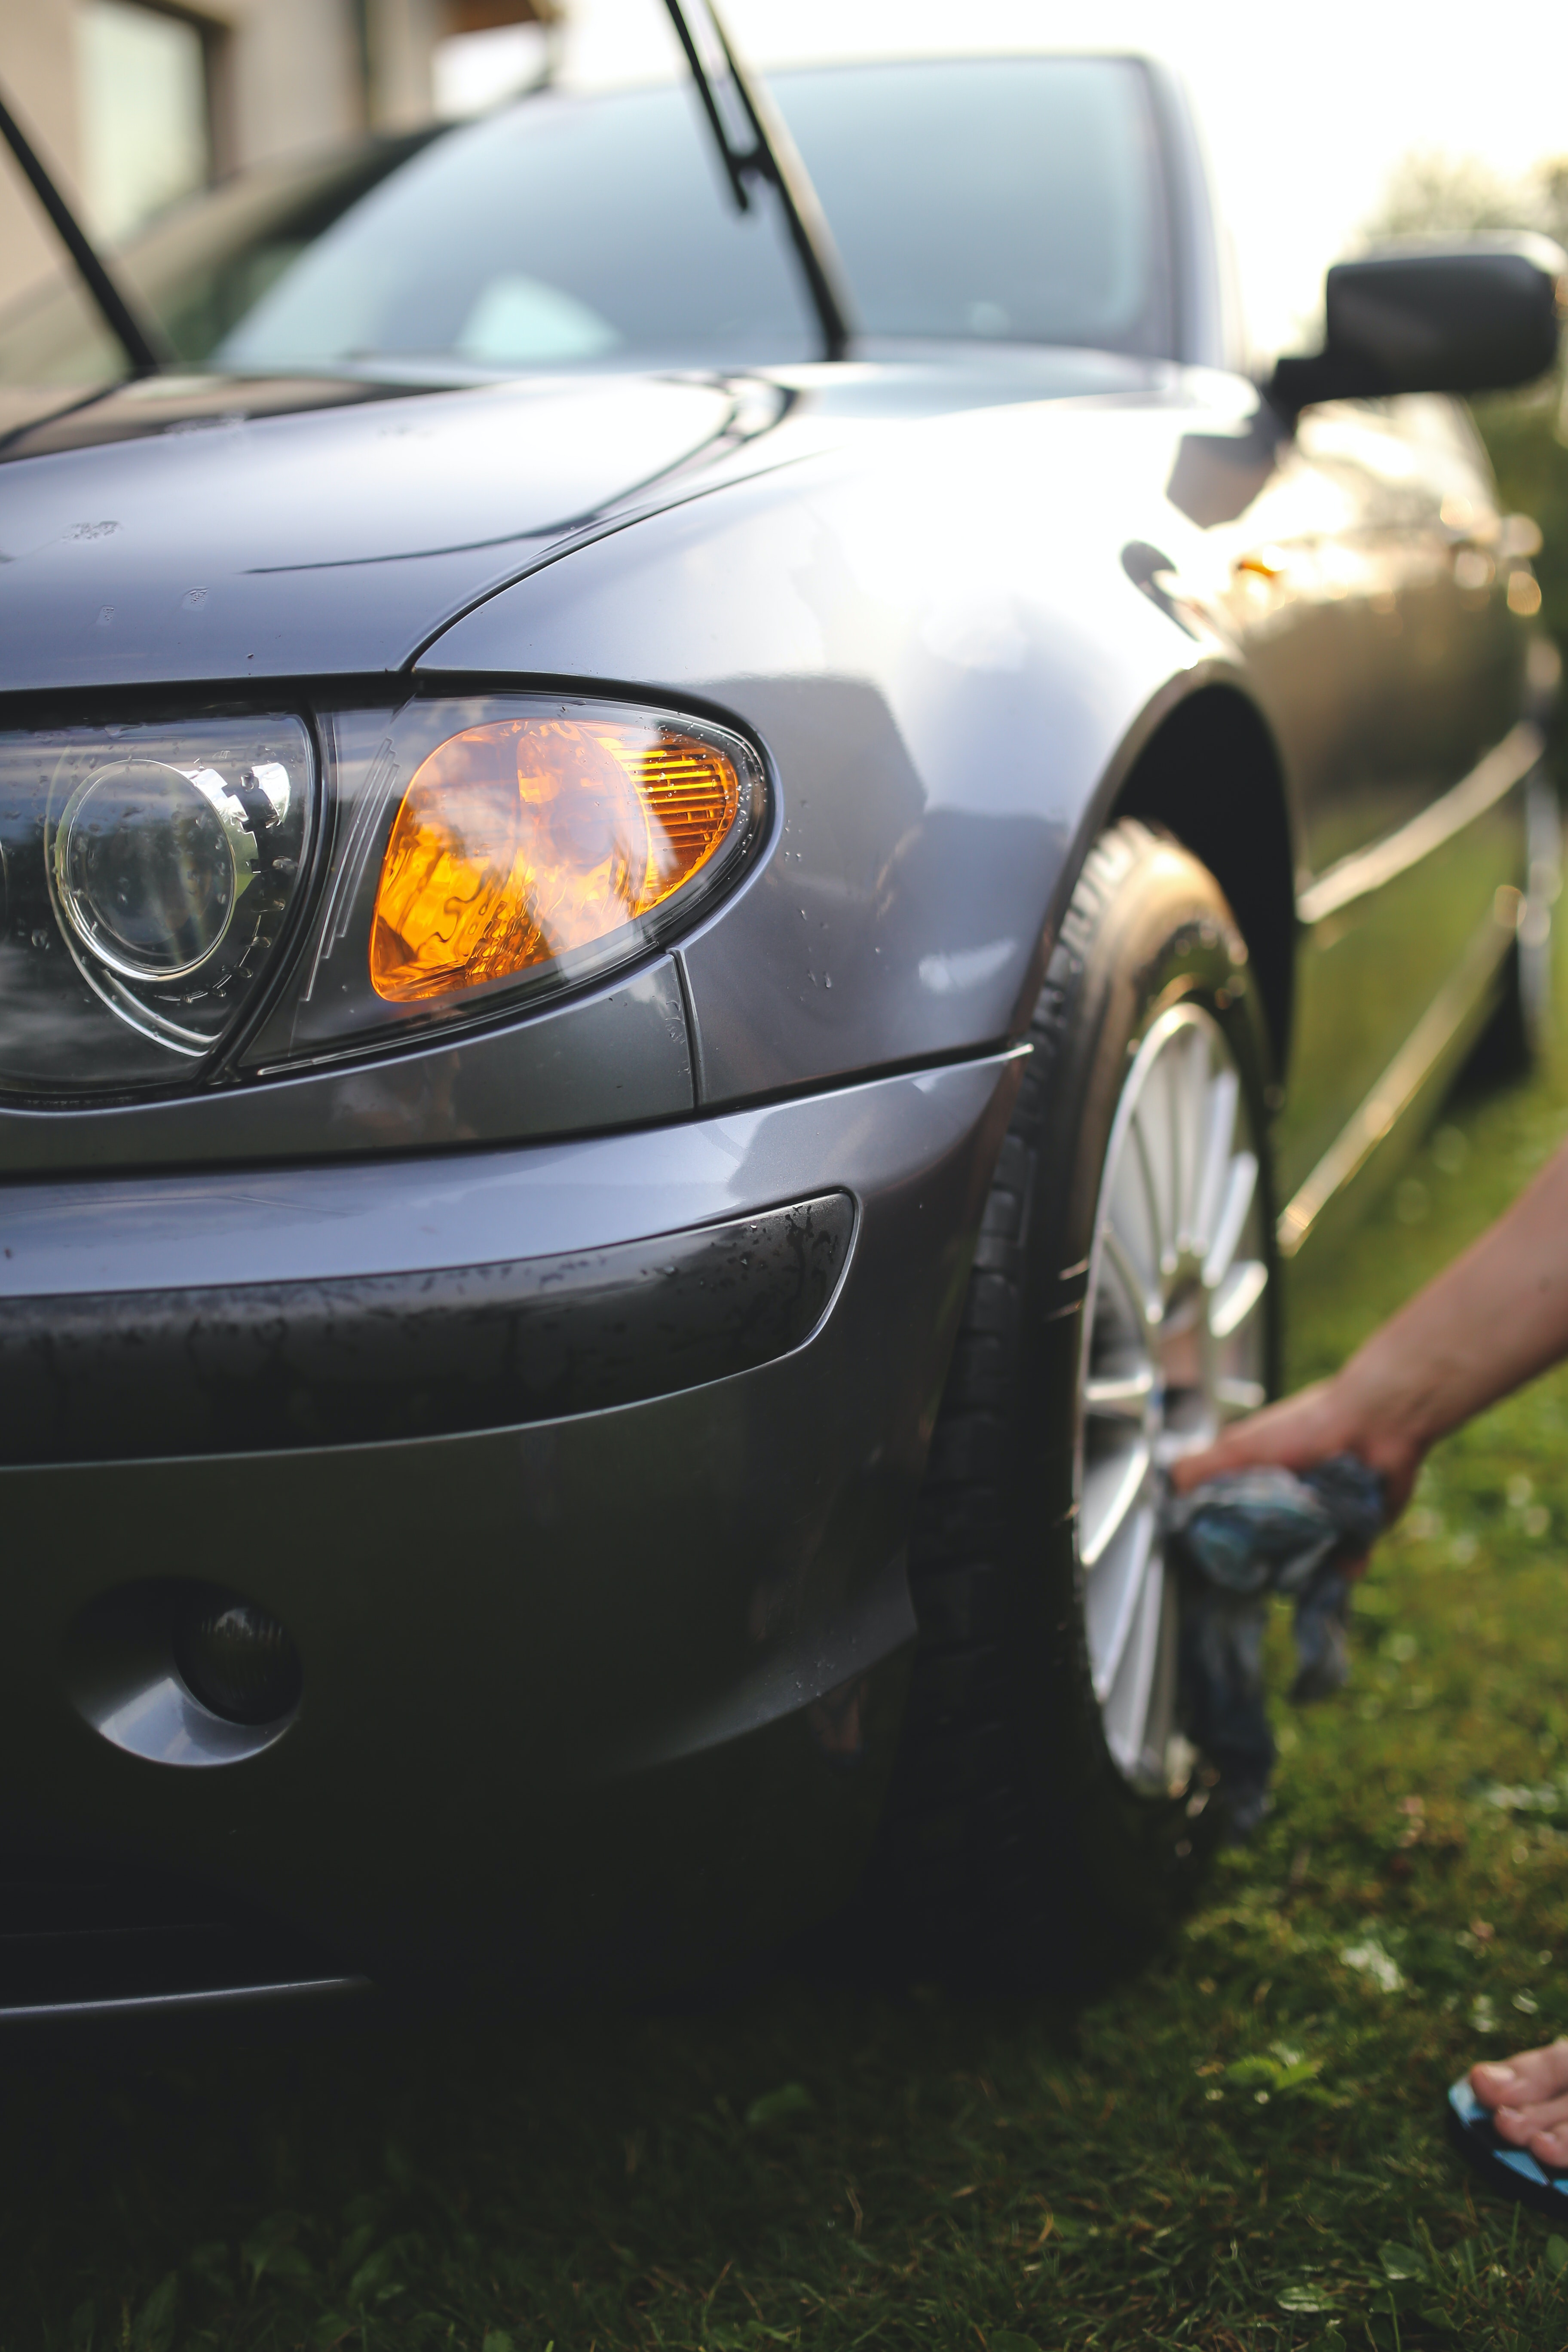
1480 315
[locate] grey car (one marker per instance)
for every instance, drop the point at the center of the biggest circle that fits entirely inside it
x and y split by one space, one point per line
710 835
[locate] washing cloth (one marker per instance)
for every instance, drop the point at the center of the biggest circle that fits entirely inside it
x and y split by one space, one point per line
1235 1540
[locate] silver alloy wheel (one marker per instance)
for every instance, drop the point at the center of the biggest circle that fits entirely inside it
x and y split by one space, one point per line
1173 1344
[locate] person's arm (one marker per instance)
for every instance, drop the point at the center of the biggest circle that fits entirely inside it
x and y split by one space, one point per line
1492 1320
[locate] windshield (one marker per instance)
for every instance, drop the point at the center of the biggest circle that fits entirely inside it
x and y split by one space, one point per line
999 200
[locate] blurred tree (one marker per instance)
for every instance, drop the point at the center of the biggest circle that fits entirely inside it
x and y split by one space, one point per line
1429 192
1526 432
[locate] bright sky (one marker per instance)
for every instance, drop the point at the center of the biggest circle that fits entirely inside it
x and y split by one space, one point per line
1307 109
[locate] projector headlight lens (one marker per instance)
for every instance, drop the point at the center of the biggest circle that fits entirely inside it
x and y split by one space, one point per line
146 868
149 873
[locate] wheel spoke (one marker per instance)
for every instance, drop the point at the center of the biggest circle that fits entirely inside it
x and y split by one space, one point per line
1218 1143
1154 1128
1120 1396
1111 1601
1146 1310
1148 1189
1238 1294
1127 1701
1240 1187
1189 1102
1169 1355
1110 1489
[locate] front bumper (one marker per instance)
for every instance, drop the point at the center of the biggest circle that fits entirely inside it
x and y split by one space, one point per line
603 1696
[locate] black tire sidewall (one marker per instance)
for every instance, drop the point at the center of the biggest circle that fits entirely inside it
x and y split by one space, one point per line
1152 931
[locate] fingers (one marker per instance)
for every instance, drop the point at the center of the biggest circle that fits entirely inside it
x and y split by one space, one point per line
1292 1435
1300 1432
1528 2080
1543 2130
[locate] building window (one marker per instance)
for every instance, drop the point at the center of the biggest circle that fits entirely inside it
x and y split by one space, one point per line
146 136
493 49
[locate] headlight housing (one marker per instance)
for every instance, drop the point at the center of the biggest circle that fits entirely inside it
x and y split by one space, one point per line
523 841
499 850
149 875
178 898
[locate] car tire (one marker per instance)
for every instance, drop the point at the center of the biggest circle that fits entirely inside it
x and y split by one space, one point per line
1033 1836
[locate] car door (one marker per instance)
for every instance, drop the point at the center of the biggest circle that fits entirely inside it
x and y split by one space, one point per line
1372 619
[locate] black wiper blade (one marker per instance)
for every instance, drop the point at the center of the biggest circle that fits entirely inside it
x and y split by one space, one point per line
141 343
772 155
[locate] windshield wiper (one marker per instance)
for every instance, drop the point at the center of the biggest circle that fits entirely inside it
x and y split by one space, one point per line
141 343
772 155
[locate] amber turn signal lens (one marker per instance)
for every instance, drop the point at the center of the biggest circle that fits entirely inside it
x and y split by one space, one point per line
523 840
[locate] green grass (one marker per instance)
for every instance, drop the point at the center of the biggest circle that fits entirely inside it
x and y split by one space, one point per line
1240 2148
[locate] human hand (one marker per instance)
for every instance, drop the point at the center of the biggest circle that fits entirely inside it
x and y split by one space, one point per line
1495 1317
1308 1428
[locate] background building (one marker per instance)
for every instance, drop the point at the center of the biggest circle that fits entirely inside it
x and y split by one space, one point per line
134 104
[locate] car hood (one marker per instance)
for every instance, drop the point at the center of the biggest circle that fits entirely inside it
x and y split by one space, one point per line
193 532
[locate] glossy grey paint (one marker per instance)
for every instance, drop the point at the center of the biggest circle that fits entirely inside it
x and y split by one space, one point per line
577 1694
995 653
317 1220
617 1058
941 685
558 1718
236 547
245 539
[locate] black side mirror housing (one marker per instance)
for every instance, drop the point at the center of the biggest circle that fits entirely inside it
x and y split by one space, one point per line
1477 315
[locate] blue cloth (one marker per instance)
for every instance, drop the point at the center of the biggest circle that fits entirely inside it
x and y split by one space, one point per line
1235 1540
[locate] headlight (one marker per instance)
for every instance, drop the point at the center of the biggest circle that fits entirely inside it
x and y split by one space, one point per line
496 850
150 862
531 839
481 855
149 874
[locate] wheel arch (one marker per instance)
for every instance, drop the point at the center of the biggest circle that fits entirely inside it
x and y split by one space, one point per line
1211 774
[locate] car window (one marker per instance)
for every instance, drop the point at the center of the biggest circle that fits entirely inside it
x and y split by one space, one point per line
566 231
1011 199
998 200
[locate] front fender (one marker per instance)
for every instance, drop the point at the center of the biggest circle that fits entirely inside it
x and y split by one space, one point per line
944 661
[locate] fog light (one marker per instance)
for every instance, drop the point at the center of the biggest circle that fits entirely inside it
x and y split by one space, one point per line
237 1659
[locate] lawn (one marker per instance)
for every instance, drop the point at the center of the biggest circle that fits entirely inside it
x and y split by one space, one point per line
1238 2147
